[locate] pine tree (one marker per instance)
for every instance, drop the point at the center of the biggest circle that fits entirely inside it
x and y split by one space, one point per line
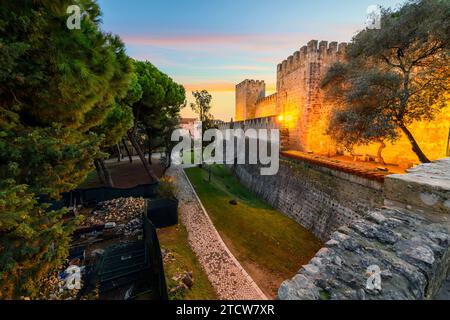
56 86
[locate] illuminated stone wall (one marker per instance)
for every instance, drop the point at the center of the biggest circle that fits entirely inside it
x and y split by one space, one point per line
408 239
248 92
300 97
266 107
432 138
299 101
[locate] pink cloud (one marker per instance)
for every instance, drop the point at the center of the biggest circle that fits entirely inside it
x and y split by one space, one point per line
210 86
246 42
219 86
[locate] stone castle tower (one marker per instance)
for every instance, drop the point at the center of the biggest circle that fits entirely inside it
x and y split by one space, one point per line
301 110
248 93
298 99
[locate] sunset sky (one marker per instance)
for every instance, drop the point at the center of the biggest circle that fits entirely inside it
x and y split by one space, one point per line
214 44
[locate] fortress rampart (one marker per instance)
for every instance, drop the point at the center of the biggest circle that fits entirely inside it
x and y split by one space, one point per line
304 114
400 225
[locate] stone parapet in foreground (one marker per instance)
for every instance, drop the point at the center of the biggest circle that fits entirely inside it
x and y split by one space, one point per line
411 251
424 189
408 239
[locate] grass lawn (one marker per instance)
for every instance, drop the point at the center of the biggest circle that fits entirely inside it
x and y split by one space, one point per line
270 246
175 240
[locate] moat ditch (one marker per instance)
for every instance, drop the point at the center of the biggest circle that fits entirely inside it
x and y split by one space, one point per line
270 246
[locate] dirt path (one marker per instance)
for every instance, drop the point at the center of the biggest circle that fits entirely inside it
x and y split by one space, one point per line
125 174
225 273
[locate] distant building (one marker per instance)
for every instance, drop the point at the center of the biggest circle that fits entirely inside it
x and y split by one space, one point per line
191 125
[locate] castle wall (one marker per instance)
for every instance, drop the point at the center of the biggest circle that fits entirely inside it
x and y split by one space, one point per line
431 136
266 107
408 240
248 92
300 101
400 225
300 98
319 198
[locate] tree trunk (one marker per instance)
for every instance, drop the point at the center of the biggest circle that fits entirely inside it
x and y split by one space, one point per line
141 156
415 147
106 173
119 154
98 168
127 150
149 153
380 150
168 163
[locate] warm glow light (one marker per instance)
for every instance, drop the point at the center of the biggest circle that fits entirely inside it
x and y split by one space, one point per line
280 118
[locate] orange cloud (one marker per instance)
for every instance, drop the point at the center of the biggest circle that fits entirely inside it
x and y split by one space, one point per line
242 67
219 86
210 86
242 42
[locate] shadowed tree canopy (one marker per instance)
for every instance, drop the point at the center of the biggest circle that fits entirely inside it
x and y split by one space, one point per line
61 84
115 126
56 86
394 76
50 74
157 111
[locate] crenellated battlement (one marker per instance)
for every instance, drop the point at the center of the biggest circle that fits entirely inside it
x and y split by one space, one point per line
250 82
247 93
314 50
300 106
298 99
268 99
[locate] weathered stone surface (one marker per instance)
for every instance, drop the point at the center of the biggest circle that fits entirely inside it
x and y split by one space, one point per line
318 198
300 101
426 188
411 251
225 273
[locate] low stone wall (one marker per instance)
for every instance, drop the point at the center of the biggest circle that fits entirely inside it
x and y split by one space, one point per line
319 198
408 242
411 252
425 188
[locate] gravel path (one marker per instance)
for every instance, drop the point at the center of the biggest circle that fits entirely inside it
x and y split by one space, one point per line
225 273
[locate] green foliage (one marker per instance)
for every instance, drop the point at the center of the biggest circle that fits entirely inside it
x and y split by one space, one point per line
394 75
166 187
34 241
49 160
63 95
358 121
49 73
260 237
159 108
202 107
162 98
66 89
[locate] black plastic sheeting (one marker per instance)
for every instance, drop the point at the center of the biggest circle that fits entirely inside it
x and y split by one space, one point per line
144 271
162 212
92 196
137 265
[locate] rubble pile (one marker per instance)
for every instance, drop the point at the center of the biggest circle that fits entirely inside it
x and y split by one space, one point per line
167 256
121 215
60 286
184 281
